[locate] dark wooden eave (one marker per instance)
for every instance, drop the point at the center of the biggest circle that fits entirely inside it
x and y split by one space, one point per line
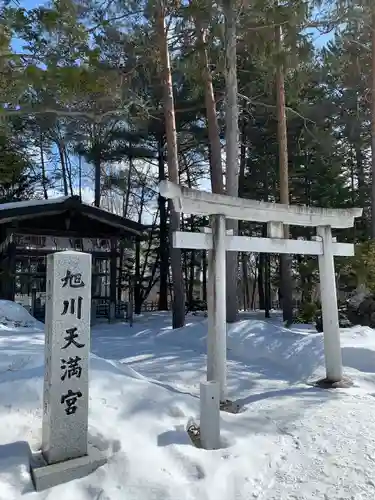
23 210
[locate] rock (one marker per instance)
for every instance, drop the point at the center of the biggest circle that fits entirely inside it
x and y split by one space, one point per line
358 296
365 306
344 321
359 309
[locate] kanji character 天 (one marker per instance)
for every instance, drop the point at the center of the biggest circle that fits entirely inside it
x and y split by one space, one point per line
70 338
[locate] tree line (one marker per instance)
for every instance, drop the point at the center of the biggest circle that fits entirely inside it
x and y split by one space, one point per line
238 96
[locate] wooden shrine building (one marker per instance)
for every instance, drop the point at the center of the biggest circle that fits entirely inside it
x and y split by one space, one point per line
30 230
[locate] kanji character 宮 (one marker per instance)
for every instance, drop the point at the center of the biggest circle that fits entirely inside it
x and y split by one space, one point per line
70 400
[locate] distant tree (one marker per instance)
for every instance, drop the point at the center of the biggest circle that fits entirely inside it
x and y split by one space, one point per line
17 181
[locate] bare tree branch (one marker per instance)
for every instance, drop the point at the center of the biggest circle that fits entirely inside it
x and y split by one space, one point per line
272 106
94 117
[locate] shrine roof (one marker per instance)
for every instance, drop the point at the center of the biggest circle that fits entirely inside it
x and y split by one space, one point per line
69 206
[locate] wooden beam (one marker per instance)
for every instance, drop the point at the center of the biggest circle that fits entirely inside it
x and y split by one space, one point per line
204 203
203 241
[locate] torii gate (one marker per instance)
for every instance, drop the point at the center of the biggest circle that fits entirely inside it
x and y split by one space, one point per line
219 207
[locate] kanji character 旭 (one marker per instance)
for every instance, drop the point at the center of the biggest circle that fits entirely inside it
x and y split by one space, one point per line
70 338
70 400
73 279
71 368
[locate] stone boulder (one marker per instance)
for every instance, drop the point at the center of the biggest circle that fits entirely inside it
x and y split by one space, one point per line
344 321
359 309
358 296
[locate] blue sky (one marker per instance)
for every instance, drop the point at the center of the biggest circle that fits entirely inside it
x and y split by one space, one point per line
26 4
29 4
319 39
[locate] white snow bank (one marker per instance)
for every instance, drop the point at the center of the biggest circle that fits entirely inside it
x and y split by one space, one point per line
299 351
15 316
295 354
292 440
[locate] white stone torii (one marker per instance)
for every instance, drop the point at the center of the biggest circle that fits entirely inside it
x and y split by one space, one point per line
221 207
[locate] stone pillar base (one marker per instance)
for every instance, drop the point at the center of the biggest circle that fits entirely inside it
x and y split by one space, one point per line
46 476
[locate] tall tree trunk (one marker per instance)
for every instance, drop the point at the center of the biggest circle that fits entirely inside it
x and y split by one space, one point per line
373 124
267 267
128 182
191 279
125 214
68 171
285 260
137 284
246 280
245 276
163 248
267 286
63 168
266 276
353 195
43 166
216 168
232 142
360 224
172 160
252 303
243 145
121 273
97 173
261 281
204 277
80 176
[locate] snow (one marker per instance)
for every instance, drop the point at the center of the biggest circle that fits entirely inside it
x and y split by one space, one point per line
13 317
32 203
292 441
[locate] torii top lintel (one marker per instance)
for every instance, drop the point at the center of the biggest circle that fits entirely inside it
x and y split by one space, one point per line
192 201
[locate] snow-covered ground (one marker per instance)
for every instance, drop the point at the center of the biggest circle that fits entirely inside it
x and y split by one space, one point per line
292 441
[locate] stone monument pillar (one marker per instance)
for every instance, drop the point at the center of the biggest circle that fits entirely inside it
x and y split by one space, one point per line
65 454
